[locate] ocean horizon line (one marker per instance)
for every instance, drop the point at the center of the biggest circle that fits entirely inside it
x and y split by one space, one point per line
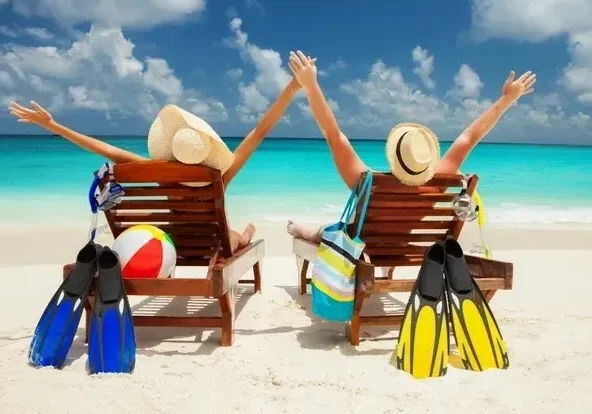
281 138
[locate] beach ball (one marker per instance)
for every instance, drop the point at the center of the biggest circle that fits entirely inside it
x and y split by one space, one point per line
145 252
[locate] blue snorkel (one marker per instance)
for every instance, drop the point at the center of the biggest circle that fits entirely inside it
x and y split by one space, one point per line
104 200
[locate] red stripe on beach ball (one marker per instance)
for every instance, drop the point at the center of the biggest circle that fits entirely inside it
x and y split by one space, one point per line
146 263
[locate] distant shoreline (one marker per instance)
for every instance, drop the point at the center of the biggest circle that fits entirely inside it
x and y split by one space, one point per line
114 137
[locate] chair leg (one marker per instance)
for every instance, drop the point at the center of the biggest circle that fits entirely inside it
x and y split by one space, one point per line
87 317
227 323
488 294
354 327
302 266
257 277
391 273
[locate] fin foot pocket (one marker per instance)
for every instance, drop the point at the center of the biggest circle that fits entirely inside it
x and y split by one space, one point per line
112 343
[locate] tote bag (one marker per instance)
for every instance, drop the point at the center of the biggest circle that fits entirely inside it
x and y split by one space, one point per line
333 274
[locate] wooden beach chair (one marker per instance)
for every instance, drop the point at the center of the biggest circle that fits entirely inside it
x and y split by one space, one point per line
195 218
401 222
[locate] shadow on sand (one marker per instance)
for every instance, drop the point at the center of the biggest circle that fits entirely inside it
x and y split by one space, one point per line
148 338
329 335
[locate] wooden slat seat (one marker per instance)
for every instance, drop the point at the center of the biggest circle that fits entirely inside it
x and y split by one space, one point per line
195 219
401 223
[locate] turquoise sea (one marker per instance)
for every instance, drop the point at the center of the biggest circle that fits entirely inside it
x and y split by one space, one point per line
46 178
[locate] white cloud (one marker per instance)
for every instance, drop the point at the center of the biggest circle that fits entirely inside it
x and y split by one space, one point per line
338 64
385 98
111 13
467 83
307 112
334 66
333 104
93 99
536 21
577 76
270 76
384 95
234 73
253 102
39 32
6 80
529 20
424 66
255 5
7 31
100 72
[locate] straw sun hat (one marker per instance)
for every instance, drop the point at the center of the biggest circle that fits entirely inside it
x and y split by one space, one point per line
177 135
413 152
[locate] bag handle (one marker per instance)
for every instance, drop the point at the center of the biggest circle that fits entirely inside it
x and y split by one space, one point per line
348 206
355 203
368 189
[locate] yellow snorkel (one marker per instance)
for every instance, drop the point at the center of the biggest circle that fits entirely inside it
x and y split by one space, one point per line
480 209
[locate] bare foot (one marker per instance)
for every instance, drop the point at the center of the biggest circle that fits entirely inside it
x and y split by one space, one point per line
248 234
299 231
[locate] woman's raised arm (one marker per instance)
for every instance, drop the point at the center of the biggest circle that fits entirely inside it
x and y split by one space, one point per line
249 144
40 116
347 161
464 144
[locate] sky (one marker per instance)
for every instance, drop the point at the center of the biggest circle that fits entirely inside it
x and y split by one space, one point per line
108 66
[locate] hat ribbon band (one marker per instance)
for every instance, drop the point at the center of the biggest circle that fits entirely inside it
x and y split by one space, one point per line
402 162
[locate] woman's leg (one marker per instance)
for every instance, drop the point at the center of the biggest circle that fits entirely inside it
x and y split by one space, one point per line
241 240
302 232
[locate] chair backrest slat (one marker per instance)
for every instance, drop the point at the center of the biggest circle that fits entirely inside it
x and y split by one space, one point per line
156 193
402 221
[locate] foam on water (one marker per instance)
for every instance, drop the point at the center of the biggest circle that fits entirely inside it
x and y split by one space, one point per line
70 210
516 213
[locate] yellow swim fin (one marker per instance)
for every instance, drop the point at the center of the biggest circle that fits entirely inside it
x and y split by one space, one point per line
476 332
422 349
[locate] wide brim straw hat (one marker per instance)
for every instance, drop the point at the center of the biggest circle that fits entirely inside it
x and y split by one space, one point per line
179 135
413 152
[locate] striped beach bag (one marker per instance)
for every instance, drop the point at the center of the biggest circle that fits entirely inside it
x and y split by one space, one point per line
333 274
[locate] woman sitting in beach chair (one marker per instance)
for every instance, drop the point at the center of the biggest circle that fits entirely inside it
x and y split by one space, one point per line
408 143
234 161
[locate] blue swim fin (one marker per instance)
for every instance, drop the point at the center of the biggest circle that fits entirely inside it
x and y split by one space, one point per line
111 342
57 326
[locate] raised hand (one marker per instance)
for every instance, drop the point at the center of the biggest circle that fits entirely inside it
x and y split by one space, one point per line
303 68
38 115
514 89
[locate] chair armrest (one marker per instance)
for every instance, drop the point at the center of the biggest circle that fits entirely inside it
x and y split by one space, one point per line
305 249
227 272
480 267
67 269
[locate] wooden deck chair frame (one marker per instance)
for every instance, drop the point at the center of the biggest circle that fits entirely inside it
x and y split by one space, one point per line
401 222
195 218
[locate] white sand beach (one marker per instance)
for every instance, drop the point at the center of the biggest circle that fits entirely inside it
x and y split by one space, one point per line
284 360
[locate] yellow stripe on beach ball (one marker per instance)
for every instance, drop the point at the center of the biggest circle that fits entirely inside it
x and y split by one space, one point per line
154 232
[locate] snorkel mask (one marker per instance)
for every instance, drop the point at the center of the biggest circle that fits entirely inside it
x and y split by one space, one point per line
105 199
469 208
